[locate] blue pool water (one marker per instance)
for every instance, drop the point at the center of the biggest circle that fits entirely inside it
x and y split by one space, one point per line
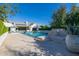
35 34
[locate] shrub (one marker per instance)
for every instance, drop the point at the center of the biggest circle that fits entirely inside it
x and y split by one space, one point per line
3 28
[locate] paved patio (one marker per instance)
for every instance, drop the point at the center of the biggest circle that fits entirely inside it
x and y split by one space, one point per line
17 44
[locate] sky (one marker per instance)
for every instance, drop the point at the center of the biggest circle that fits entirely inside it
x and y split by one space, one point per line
39 13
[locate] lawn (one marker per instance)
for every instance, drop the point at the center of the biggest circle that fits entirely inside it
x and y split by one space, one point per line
3 29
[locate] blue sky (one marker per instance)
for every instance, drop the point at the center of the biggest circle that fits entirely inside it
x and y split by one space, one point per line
39 13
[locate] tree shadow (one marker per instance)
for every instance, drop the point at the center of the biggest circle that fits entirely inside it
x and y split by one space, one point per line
55 48
45 47
25 53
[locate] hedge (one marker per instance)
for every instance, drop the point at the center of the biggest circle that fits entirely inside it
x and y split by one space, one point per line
3 28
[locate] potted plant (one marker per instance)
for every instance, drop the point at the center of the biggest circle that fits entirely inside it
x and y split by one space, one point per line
72 25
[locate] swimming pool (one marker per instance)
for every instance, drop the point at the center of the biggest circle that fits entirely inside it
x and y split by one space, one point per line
35 34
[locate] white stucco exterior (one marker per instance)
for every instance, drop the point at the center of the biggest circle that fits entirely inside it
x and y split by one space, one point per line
12 29
34 26
2 38
57 34
8 24
13 25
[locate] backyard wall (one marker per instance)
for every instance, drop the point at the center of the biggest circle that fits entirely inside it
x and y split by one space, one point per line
3 37
57 34
3 32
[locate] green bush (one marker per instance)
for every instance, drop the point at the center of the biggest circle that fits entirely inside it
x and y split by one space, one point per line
44 28
3 28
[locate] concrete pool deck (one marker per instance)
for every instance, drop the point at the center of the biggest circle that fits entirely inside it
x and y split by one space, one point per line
17 44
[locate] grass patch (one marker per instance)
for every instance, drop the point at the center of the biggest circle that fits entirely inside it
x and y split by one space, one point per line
3 28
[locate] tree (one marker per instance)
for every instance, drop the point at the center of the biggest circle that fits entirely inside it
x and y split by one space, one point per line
44 27
72 17
7 10
72 20
69 20
58 17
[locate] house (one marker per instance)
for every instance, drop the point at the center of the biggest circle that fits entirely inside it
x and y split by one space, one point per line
21 26
11 26
34 27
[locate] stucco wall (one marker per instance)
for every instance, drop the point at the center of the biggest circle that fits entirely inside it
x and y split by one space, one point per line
3 37
57 34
